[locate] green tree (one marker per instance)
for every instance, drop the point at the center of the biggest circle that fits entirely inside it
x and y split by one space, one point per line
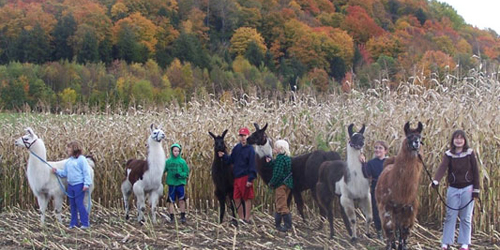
128 47
65 28
89 51
142 91
106 50
33 46
189 48
254 54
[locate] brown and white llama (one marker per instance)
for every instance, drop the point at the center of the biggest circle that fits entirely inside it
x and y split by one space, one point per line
144 177
354 186
397 187
42 181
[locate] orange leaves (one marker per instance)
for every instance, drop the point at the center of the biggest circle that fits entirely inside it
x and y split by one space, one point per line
15 18
144 29
360 25
242 37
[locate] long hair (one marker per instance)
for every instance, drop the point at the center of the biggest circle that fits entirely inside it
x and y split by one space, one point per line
76 149
455 135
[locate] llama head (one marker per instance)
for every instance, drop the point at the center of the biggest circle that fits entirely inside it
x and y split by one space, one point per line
156 133
26 140
356 139
258 137
219 145
413 136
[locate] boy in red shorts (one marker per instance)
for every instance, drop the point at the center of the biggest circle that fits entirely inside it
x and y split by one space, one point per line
243 159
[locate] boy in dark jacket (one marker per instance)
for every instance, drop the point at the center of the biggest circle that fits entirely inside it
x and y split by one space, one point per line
177 173
243 159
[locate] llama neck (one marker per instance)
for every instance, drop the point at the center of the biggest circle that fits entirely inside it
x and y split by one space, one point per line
353 162
407 170
37 169
156 158
264 150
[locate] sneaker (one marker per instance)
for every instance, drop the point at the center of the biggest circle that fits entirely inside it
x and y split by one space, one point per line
72 226
84 227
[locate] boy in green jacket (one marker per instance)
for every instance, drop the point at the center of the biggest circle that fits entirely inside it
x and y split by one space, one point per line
178 172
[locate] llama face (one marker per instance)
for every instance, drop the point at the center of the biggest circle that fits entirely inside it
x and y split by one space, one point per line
219 145
356 139
413 136
27 140
258 137
157 135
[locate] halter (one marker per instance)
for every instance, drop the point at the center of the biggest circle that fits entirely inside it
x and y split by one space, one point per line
28 145
350 141
155 137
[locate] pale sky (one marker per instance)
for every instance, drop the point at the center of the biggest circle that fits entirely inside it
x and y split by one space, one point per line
480 13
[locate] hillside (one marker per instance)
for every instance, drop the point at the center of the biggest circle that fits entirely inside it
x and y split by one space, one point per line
107 51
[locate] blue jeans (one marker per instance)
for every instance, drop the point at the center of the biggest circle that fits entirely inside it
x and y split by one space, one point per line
77 206
457 198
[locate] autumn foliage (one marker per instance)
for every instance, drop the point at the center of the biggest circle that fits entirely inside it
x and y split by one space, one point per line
103 51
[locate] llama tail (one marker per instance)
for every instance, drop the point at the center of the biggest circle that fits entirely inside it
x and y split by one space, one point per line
127 168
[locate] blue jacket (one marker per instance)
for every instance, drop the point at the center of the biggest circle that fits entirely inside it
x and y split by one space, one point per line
373 168
77 171
243 160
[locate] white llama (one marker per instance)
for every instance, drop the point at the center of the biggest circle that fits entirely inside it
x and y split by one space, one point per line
42 181
354 186
145 177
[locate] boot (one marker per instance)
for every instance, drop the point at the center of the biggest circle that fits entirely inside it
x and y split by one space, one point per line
277 222
183 218
288 221
172 218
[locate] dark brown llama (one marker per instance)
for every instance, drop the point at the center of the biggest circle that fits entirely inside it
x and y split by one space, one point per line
222 176
397 187
330 172
304 167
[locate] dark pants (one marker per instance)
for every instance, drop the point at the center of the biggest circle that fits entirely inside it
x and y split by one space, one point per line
77 206
376 217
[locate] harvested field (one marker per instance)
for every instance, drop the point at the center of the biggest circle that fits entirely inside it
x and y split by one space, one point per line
22 229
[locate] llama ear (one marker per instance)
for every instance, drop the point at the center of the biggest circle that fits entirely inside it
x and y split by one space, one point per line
265 127
224 133
349 130
29 131
407 128
256 126
362 131
420 127
210 133
152 127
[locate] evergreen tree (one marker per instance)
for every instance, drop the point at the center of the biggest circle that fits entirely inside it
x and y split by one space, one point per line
33 46
254 54
337 68
106 50
128 48
189 48
65 28
89 52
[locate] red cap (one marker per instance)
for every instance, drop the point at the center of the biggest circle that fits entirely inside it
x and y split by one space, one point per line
244 131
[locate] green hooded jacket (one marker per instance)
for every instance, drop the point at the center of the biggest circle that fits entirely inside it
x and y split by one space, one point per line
174 166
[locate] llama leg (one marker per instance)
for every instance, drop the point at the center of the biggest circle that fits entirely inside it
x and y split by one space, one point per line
320 195
126 191
366 206
153 199
344 218
42 203
297 196
231 206
388 226
58 201
141 198
348 206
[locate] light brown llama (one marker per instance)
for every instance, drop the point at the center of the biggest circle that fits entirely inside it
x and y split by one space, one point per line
397 186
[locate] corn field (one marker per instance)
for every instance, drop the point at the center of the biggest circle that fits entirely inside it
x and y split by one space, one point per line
307 122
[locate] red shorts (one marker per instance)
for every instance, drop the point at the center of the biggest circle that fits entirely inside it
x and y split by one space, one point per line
241 191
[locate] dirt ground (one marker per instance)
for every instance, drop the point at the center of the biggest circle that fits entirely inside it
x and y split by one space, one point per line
21 229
